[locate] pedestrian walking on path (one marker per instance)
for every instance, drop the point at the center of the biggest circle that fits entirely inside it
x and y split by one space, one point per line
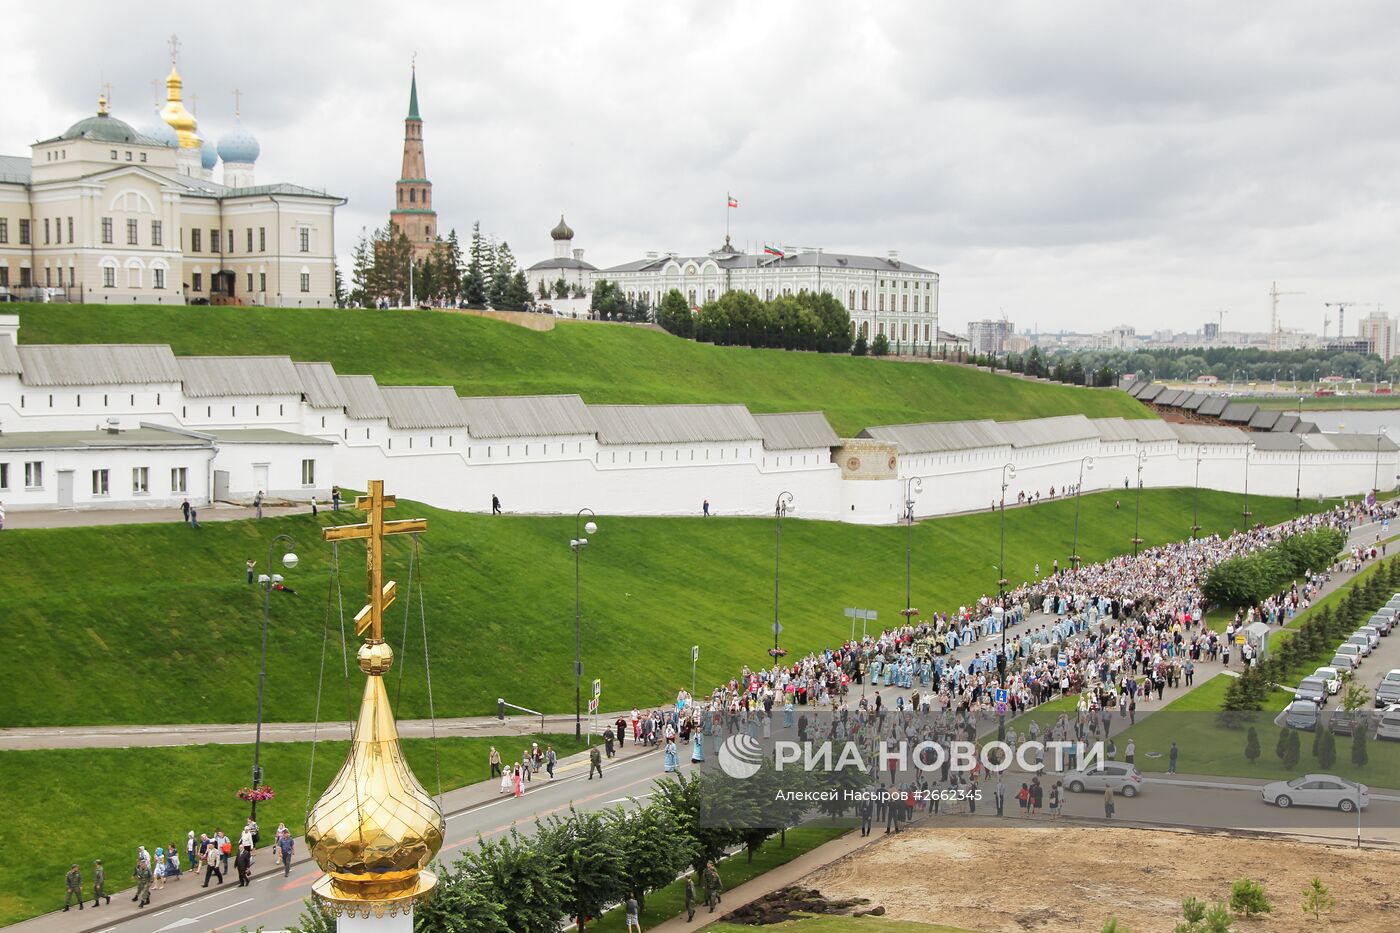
285 843
142 874
74 882
257 504
595 763
1108 803
211 864
710 881
99 883
1171 759
690 897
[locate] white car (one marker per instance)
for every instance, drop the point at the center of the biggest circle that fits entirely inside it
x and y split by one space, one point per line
1388 726
1331 677
1362 641
1124 778
1317 790
1388 690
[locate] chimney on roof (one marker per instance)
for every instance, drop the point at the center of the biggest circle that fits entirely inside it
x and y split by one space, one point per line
894 257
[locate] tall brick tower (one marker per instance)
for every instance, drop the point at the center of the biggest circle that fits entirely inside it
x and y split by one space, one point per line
413 213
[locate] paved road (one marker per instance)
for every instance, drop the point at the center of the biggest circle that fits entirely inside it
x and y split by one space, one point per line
76 518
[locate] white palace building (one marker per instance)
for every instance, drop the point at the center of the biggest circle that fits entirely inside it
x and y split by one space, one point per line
123 426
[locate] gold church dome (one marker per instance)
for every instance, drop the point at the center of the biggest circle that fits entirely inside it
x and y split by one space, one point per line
174 113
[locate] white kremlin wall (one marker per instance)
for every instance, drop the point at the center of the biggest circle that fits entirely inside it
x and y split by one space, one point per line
79 423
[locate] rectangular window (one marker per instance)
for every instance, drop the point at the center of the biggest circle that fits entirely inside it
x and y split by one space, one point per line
131 237
158 278
262 281
48 277
24 237
4 229
4 476
156 233
308 472
250 239
306 281
304 236
196 239
25 277
70 229
140 480
229 241
197 281
34 474
109 276
46 231
106 230
179 477
250 281
4 276
214 241
100 486
262 239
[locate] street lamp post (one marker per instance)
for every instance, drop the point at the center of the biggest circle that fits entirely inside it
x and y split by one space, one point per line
1007 473
289 560
915 484
1298 488
1376 479
1137 506
780 508
1248 453
578 543
1196 494
1085 463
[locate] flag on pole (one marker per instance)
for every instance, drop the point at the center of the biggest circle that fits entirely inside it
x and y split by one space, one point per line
773 251
733 201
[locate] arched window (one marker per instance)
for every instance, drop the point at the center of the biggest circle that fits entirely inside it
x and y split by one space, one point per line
865 300
851 302
413 195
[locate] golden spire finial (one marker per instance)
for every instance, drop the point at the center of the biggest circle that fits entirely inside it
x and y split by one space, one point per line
174 113
375 829
104 100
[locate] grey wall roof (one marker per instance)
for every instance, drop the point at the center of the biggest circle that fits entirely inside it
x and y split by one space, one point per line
1360 442
1264 419
16 169
1209 434
225 376
1287 421
97 364
796 431
1151 392
1172 397
320 385
674 424
362 398
9 358
1196 400
1238 412
527 416
1038 432
1143 430
1136 386
420 408
939 436
75 440
1213 406
1271 441
265 436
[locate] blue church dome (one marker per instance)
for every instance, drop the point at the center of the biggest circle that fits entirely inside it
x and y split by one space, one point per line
208 157
238 145
163 133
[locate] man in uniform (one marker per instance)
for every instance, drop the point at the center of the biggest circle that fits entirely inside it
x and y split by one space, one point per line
74 881
142 874
712 885
595 763
99 883
689 898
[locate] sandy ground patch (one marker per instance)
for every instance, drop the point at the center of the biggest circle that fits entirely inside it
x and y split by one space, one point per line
1071 879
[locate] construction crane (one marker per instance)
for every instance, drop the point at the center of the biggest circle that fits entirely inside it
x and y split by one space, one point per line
1341 307
1274 331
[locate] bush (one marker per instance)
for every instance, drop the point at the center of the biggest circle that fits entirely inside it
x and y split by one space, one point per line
1317 900
1248 897
1293 750
1251 745
1359 755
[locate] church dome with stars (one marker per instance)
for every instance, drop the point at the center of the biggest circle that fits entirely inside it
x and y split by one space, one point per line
208 155
239 145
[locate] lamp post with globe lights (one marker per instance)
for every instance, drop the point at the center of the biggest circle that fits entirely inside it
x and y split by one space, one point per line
1085 463
780 508
268 580
913 484
578 543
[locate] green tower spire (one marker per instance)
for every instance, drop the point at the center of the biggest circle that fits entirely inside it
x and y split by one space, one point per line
413 97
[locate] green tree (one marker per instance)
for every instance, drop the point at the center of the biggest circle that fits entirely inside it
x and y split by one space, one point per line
880 346
1281 746
682 799
1114 925
608 300
654 849
474 280
1294 751
1218 919
314 919
561 287
594 864
529 877
502 272
1193 911
1251 745
464 901
675 315
1317 900
518 292
1249 898
1356 696
1359 754
861 346
360 271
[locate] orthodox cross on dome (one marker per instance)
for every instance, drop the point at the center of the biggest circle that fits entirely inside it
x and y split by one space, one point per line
174 43
381 593
106 96
156 85
237 101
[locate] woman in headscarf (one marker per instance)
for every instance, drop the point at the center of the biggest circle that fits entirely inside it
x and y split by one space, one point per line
507 781
672 761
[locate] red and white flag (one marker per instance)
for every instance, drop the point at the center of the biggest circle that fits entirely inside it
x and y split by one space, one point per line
733 201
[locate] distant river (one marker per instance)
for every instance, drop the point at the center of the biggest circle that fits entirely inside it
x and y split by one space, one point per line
1357 422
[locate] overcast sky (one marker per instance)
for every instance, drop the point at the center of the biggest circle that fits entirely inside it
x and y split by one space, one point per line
1075 165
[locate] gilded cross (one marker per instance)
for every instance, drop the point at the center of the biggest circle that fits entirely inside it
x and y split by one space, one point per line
381 593
156 85
174 43
237 101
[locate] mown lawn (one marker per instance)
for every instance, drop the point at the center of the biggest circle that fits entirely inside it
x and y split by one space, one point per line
605 363
76 805
154 623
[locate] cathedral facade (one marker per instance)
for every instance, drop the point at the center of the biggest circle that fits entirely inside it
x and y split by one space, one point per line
103 214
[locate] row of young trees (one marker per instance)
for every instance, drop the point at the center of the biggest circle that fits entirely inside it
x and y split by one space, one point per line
577 865
805 321
1249 580
486 276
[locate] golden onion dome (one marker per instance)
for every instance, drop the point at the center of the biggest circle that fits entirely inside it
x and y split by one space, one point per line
175 115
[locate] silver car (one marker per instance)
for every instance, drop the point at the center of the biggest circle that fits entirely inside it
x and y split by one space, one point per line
1371 632
1388 690
1354 649
1343 663
1124 778
1317 790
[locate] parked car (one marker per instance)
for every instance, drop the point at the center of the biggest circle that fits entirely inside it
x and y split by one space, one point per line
1388 690
1317 790
1124 778
1371 632
1388 726
1301 714
1353 650
1382 623
1346 722
1362 641
1312 688
1388 611
1330 676
1343 663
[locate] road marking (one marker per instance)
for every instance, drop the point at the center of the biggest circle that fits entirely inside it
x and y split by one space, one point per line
189 920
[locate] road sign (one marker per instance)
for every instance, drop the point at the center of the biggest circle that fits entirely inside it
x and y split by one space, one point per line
852 613
1239 639
592 706
597 689
1002 697
777 628
1001 709
694 653
1062 661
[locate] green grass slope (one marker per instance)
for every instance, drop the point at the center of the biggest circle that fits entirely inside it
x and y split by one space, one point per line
603 363
155 624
